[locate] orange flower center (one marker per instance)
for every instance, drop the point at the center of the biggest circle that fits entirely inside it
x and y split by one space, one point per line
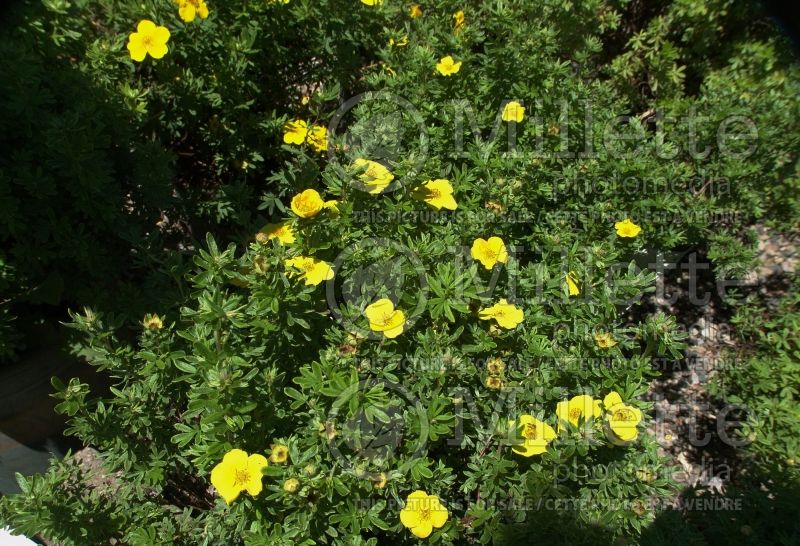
242 476
147 40
575 414
529 431
425 513
386 319
624 415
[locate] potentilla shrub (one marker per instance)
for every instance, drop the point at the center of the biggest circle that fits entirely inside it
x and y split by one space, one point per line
432 333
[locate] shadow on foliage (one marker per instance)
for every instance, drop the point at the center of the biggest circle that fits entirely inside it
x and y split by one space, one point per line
761 506
80 192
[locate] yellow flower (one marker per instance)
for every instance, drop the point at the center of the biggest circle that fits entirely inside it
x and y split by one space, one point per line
513 111
447 66
374 175
506 314
277 2
530 436
494 382
236 473
331 205
282 231
189 9
291 485
437 193
422 513
383 317
318 138
328 430
372 2
489 252
604 340
458 20
307 204
153 322
621 418
313 271
280 453
295 132
572 284
379 481
399 43
148 38
415 11
578 407
495 366
627 228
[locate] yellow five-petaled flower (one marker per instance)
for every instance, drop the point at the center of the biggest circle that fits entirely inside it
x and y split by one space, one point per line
236 473
307 203
506 314
297 132
448 66
280 453
458 20
572 284
604 340
621 418
189 9
313 271
513 111
530 436
283 232
383 317
374 175
578 408
422 513
627 228
153 322
148 38
437 193
489 252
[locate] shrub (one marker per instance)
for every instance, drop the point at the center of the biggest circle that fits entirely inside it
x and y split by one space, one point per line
762 377
431 309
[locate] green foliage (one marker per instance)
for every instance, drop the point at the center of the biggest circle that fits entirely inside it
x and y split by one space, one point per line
763 377
255 357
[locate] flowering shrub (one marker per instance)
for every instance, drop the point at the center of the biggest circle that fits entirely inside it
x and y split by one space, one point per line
429 327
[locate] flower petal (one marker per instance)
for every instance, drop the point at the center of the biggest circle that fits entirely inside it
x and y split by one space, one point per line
145 26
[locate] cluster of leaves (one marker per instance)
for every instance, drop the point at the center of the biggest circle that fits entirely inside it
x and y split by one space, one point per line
763 375
106 163
255 357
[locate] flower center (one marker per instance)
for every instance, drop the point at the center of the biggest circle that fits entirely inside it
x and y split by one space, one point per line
425 514
386 318
434 194
308 266
242 476
624 415
147 41
575 413
529 431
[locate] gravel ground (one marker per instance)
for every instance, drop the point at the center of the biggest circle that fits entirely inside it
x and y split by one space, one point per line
689 424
